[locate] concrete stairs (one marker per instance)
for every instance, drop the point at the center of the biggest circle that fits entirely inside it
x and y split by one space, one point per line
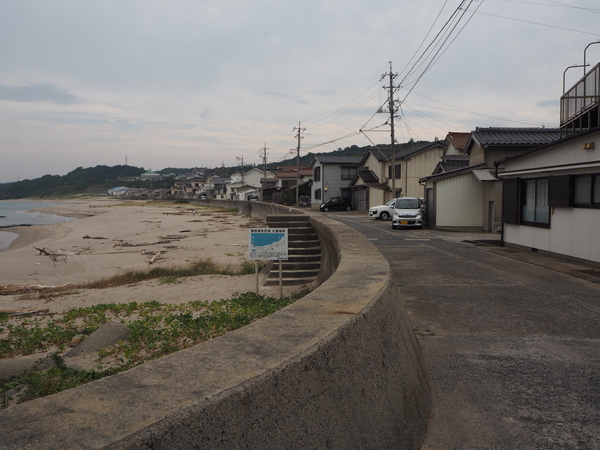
304 251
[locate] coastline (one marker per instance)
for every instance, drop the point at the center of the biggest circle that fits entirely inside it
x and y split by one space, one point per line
26 235
114 236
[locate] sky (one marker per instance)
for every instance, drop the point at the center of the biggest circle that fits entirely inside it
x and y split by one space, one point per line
205 83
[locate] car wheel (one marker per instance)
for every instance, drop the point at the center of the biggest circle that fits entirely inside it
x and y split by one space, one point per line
384 215
326 209
348 208
394 227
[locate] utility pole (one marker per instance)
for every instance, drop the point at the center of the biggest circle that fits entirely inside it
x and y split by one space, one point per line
263 155
392 110
298 135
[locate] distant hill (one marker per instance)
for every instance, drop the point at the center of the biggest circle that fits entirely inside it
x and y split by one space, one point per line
93 179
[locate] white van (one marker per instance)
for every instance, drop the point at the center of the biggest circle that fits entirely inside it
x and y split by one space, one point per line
408 212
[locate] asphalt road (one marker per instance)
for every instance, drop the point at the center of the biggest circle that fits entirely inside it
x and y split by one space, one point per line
510 338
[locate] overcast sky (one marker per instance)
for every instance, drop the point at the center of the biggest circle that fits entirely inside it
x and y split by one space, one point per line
204 82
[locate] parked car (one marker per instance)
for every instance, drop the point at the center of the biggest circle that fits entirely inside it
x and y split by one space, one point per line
252 197
408 212
337 204
383 212
304 200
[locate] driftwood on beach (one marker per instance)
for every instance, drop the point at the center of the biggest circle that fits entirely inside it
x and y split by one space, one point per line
9 289
56 254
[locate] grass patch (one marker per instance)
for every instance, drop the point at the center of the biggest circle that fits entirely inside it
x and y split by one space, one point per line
156 330
201 267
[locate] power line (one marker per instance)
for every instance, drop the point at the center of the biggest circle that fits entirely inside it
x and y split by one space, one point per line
539 24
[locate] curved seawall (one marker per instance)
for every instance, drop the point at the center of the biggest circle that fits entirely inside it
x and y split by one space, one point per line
339 368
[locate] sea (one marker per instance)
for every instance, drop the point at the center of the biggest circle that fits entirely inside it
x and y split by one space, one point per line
14 213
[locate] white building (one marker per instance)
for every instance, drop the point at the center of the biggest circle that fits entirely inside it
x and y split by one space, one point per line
551 198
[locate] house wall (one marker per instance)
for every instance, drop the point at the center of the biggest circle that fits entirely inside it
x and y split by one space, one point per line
452 150
315 202
419 166
459 202
332 181
492 192
573 232
499 153
253 177
476 155
380 168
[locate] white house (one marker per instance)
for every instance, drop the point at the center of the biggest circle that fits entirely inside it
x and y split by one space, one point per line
119 190
551 197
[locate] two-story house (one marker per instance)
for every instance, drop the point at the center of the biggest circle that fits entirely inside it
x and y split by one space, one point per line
332 176
373 184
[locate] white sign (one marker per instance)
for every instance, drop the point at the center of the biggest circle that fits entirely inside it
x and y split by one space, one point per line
268 243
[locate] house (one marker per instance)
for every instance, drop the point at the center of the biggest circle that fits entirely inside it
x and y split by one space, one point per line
189 188
289 176
469 198
332 176
551 198
119 190
372 184
454 156
150 175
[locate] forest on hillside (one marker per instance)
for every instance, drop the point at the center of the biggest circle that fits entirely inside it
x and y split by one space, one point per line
91 180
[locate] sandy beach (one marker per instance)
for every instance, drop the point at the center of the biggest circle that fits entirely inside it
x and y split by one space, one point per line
112 236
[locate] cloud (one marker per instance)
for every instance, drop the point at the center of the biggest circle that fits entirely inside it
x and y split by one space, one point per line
205 114
549 104
38 92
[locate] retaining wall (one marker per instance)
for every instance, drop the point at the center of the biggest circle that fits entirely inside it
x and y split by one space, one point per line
340 368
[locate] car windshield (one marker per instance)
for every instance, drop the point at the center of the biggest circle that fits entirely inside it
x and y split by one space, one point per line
407 203
391 202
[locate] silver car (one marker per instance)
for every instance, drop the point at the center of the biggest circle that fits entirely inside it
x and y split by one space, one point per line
408 212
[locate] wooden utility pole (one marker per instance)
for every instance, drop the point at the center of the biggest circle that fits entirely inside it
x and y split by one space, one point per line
300 130
392 110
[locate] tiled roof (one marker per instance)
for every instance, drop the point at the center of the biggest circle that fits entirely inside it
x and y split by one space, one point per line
459 140
486 137
325 159
368 176
384 155
453 162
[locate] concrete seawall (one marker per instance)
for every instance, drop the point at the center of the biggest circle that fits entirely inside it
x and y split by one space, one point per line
340 368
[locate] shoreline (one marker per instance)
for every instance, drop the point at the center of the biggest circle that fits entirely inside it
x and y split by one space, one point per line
117 237
26 234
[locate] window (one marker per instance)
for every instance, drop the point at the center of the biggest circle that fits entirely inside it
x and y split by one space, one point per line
348 173
317 174
397 173
317 194
534 202
587 190
526 201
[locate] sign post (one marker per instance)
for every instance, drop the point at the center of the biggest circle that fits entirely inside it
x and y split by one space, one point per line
268 244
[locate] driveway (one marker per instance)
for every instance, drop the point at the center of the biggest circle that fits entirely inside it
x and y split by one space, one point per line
510 338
